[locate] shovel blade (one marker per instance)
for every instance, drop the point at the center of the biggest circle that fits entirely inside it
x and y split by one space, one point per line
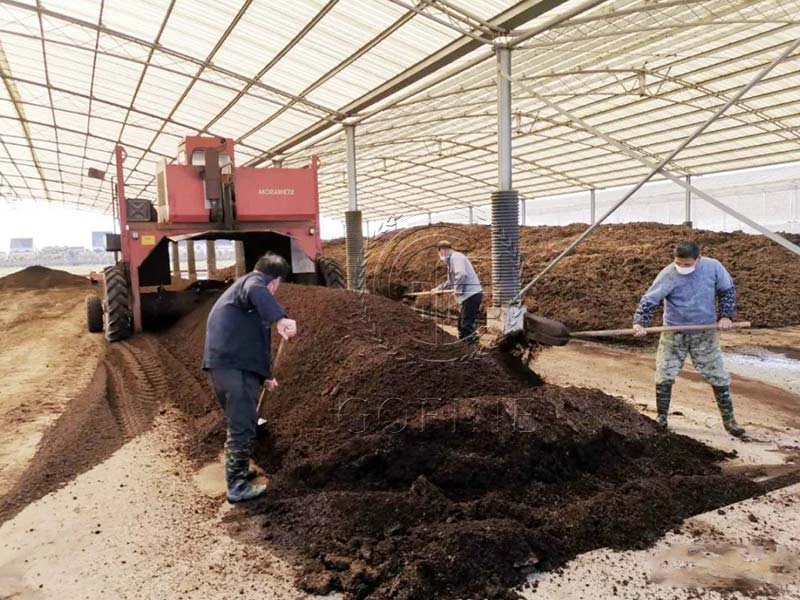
545 331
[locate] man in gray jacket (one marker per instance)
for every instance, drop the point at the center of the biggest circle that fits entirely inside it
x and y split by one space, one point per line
462 279
695 290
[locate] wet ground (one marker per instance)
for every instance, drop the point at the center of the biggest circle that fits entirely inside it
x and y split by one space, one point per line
777 368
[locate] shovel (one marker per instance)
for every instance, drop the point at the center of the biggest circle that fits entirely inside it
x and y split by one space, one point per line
272 367
554 333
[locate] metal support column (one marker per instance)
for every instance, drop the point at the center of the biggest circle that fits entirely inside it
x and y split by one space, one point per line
430 219
505 201
176 262
522 210
592 205
211 259
471 220
504 169
687 219
191 260
354 235
241 264
277 162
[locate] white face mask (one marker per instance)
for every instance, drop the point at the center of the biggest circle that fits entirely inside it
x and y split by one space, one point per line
685 270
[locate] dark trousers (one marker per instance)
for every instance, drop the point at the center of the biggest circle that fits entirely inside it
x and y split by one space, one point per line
237 392
468 319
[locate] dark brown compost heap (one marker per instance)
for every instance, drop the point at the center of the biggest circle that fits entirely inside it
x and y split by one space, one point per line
37 277
405 467
598 286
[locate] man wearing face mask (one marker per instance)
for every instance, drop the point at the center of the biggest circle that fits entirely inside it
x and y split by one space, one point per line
462 279
695 290
237 357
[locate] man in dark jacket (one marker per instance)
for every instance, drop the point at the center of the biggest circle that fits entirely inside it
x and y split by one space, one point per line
237 356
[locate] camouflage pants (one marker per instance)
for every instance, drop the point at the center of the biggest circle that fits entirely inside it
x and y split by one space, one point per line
702 346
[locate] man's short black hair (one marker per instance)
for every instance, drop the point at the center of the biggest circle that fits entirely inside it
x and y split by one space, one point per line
687 249
273 265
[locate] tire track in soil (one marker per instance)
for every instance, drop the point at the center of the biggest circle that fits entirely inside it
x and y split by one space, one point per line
119 404
199 418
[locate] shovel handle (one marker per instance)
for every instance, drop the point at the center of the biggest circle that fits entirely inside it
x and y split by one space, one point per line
275 360
621 332
429 293
273 365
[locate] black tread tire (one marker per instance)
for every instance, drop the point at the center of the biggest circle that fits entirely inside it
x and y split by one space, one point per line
118 306
94 314
330 273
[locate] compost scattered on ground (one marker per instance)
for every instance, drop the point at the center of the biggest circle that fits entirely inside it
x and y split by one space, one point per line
408 466
117 405
599 285
38 277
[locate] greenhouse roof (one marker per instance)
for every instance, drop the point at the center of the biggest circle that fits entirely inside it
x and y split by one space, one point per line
418 78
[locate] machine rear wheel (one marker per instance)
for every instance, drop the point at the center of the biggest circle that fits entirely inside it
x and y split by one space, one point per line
94 314
330 273
118 307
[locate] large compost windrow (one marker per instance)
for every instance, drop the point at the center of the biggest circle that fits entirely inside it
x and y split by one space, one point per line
406 467
599 285
38 277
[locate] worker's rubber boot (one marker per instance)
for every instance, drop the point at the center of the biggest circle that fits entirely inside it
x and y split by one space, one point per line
237 468
723 395
663 398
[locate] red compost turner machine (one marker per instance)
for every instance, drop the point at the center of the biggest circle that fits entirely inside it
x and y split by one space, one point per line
204 196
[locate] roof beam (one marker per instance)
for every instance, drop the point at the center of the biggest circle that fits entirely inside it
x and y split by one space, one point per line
168 51
273 61
16 166
95 99
164 68
13 94
138 87
222 39
335 70
78 132
519 14
393 130
420 10
91 91
47 79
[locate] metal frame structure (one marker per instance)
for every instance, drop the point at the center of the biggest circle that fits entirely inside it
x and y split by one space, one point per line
418 78
661 167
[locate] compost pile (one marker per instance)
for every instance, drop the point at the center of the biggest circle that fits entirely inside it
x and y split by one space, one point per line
599 285
37 277
407 466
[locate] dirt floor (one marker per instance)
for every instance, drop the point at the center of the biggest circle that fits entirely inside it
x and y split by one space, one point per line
46 360
148 521
599 285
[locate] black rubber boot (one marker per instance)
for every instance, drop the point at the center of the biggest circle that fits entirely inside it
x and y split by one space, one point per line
237 468
663 397
725 403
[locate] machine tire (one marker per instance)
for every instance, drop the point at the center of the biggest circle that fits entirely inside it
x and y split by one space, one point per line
118 307
330 273
94 314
